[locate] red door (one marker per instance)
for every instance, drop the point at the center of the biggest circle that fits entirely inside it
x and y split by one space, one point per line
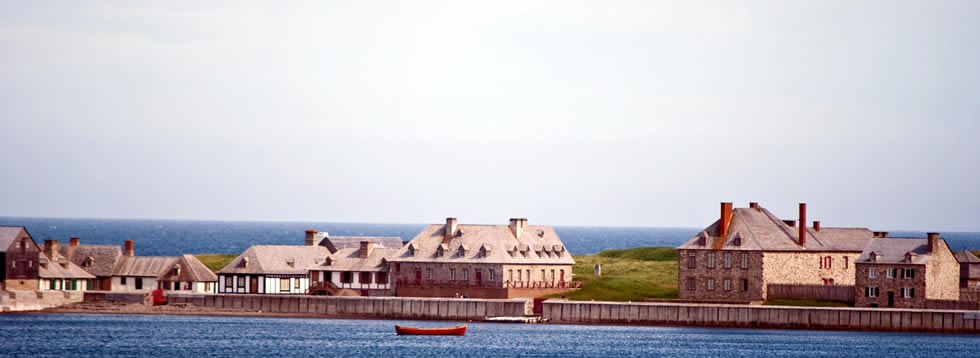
479 277
561 276
418 275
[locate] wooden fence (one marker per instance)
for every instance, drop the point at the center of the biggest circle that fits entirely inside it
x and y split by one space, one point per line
842 293
952 305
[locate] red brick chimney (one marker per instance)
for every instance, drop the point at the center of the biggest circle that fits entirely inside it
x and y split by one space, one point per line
933 241
726 219
816 225
50 248
310 237
74 242
803 225
754 205
129 248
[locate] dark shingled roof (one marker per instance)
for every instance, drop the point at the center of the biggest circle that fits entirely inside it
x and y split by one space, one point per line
191 270
8 234
58 266
143 266
759 229
335 243
891 250
99 260
966 256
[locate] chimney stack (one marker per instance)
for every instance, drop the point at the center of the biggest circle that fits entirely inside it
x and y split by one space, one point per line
517 226
803 225
451 227
881 234
50 248
790 223
74 242
310 237
726 219
816 225
933 241
754 205
129 248
366 248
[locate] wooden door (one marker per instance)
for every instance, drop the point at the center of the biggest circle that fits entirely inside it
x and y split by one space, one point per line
418 275
479 276
254 287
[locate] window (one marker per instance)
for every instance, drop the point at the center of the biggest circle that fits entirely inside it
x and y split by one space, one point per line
382 278
891 273
908 292
737 241
228 283
528 274
552 275
728 284
543 277
711 284
491 274
908 274
466 274
428 274
30 263
207 286
702 241
728 260
139 283
826 262
745 260
122 280
711 260
365 278
845 262
452 273
519 275
745 285
241 281
510 275
348 277
283 285
398 267
872 273
690 283
870 292
691 259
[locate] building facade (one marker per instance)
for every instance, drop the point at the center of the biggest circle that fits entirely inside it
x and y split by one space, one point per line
485 261
20 254
737 257
969 270
57 273
98 260
905 272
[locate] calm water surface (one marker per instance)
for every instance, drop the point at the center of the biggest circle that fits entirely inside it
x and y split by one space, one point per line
36 335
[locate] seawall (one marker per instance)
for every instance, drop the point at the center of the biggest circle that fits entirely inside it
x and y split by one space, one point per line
719 315
14 301
362 307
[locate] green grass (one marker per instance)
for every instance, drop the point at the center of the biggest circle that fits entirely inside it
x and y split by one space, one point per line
215 262
643 254
805 303
627 275
976 253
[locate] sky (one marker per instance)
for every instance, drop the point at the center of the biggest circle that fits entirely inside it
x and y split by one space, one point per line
585 113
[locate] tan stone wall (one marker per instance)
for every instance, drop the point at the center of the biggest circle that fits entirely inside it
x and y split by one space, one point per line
701 274
805 267
893 285
942 275
22 285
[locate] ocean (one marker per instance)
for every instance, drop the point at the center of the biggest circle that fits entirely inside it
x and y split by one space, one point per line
174 237
59 335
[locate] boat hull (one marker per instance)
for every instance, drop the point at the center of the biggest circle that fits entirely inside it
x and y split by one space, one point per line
412 331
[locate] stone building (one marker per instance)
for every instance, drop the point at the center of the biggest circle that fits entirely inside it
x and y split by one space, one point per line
484 261
905 272
738 256
969 270
363 269
19 254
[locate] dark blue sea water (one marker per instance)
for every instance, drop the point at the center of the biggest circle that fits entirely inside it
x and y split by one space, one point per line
39 335
173 237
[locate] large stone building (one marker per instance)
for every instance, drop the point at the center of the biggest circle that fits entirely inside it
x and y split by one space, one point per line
485 261
738 256
19 254
905 272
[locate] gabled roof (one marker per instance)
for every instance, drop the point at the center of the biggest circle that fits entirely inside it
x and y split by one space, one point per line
103 257
277 259
191 270
892 250
60 267
499 238
759 229
966 257
9 234
348 259
335 243
143 266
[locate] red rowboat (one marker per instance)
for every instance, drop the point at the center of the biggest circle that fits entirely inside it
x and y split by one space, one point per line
412 331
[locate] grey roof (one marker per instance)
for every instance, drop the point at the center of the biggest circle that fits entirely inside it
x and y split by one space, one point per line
276 259
967 257
335 243
58 266
759 229
972 263
499 238
191 270
891 250
99 260
8 234
143 266
348 259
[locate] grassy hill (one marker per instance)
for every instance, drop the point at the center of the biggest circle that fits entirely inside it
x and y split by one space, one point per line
216 262
627 275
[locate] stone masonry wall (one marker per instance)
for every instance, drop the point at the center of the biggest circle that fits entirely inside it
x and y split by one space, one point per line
805 267
886 285
701 274
942 275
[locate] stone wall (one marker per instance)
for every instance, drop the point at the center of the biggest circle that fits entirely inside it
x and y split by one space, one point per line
717 315
362 307
942 274
806 268
22 284
702 273
36 300
887 285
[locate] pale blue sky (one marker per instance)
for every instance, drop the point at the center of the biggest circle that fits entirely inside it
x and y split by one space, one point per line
568 113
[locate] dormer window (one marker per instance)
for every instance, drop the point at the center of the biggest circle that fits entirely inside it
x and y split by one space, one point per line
540 233
441 250
702 241
737 241
89 262
291 262
873 256
484 251
411 250
328 262
461 251
176 270
244 262
909 257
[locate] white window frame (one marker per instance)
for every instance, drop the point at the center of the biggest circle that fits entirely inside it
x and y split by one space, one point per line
711 284
872 272
890 273
728 260
728 284
745 260
711 260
